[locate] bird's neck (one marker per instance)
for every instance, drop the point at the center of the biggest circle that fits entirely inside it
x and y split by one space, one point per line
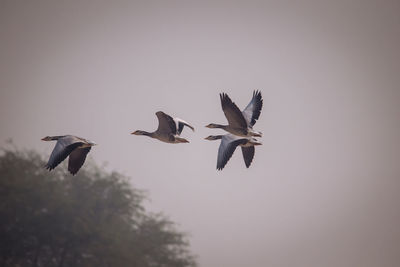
214 137
148 134
220 126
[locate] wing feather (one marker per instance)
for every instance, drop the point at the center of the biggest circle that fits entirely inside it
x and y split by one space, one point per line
253 110
248 155
181 123
232 112
77 158
61 151
166 123
226 148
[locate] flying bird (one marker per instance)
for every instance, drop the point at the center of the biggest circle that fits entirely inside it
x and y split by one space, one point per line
68 145
228 145
240 123
169 129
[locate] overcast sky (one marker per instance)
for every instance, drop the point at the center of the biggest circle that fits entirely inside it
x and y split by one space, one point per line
323 188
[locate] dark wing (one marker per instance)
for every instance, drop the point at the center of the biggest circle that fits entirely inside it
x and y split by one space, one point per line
181 124
248 155
252 112
232 112
60 152
77 158
166 123
226 148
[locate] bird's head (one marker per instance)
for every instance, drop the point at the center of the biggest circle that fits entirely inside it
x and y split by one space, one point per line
47 138
138 132
212 125
213 137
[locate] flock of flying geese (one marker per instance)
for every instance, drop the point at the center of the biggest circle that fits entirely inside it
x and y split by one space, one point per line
239 128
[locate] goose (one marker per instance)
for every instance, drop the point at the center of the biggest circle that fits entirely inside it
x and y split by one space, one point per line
169 129
240 123
68 145
228 145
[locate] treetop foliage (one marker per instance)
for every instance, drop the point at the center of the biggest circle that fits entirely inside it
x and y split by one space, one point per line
93 219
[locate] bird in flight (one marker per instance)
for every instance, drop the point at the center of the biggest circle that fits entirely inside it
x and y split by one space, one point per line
169 129
240 123
228 145
68 145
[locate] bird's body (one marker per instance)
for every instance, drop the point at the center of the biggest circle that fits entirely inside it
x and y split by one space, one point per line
228 145
68 145
169 129
240 123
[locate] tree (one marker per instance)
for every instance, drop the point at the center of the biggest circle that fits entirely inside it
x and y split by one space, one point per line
92 219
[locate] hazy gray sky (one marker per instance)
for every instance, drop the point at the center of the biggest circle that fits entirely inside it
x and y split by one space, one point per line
323 188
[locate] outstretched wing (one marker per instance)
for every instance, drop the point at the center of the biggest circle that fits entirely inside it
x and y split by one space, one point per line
226 148
248 155
252 112
166 123
181 124
232 112
77 158
62 149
